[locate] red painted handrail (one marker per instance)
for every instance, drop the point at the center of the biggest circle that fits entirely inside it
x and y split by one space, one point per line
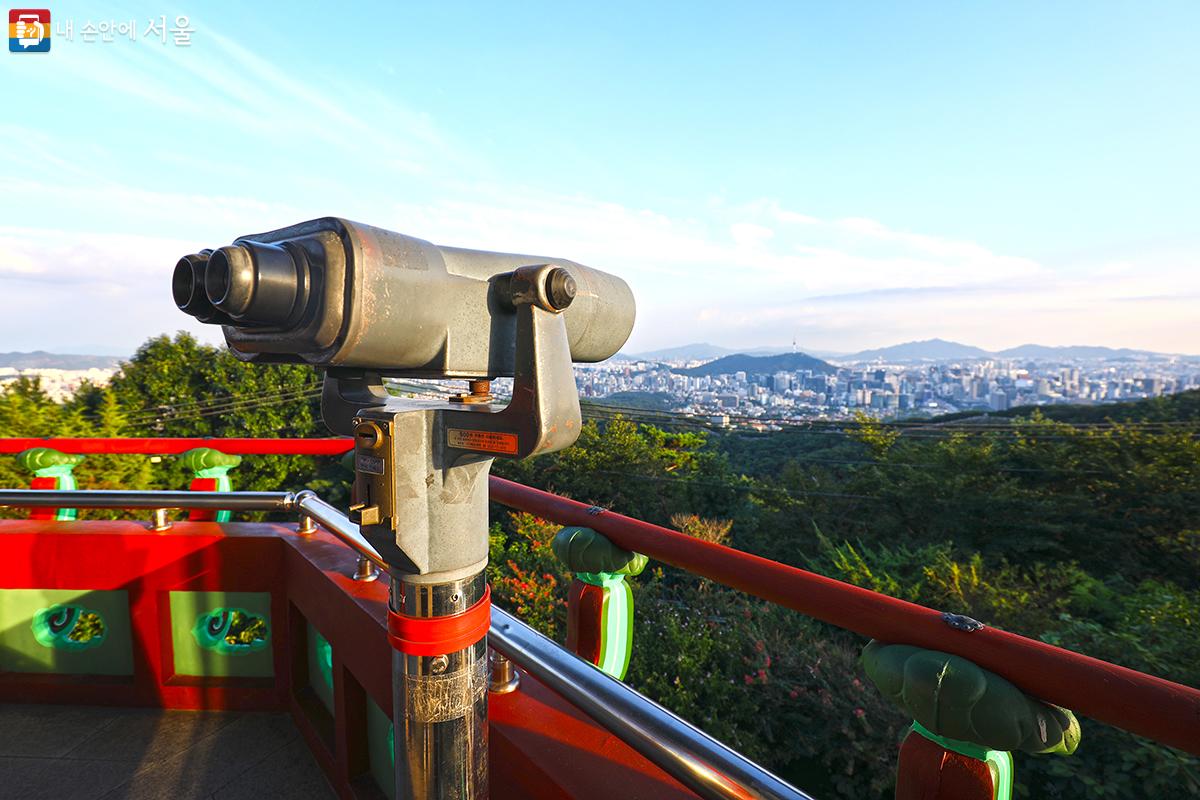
1142 704
174 446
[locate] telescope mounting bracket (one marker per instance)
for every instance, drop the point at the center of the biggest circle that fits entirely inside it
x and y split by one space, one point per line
420 487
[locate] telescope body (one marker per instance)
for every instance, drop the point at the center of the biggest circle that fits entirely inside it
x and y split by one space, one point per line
336 293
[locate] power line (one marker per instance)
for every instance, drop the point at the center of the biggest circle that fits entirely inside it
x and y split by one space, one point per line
218 405
177 409
230 405
239 405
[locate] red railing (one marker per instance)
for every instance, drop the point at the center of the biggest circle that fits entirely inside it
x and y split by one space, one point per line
175 446
1142 704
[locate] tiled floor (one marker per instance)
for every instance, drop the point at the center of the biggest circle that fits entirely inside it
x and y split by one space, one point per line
87 753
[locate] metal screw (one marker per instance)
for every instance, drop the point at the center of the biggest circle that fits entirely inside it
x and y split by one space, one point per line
504 677
454 598
159 520
560 288
439 664
480 392
364 570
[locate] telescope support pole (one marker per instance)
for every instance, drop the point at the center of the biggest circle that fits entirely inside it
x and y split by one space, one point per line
440 698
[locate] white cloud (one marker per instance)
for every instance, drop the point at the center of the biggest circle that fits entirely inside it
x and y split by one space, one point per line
749 275
749 234
118 261
67 290
737 255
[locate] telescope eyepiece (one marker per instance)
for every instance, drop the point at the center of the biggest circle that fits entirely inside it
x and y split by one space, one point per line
187 284
229 282
187 288
256 284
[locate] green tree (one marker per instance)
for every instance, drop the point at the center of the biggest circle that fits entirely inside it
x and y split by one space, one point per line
180 387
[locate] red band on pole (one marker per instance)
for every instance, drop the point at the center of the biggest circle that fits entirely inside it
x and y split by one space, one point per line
436 636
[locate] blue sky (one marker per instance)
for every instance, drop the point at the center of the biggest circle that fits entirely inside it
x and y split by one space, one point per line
848 175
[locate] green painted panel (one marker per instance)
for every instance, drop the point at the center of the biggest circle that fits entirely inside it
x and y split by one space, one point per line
320 666
66 631
222 634
381 749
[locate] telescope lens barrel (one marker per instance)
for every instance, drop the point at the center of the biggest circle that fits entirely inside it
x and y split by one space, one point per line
187 287
187 284
256 284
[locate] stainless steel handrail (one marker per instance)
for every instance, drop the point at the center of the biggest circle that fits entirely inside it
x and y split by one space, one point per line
133 498
304 502
692 757
339 525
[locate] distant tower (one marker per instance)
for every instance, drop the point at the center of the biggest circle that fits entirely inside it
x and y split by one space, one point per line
793 344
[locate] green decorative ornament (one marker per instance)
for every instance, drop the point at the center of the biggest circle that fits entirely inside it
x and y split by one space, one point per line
583 550
46 462
206 459
953 698
69 627
231 631
37 459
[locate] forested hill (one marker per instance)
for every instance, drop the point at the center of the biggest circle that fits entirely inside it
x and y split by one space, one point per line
765 454
760 365
1182 407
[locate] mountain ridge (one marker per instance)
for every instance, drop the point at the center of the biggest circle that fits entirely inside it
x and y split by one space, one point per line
40 359
923 350
943 350
759 365
698 351
935 349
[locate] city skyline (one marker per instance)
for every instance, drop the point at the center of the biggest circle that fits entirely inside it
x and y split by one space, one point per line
767 392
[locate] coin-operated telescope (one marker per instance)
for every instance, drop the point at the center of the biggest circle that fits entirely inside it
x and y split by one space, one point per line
366 303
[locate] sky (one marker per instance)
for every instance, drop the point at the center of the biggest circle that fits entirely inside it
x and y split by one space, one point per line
841 175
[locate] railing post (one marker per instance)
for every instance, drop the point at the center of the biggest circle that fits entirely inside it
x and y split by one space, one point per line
51 470
932 768
600 600
210 473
